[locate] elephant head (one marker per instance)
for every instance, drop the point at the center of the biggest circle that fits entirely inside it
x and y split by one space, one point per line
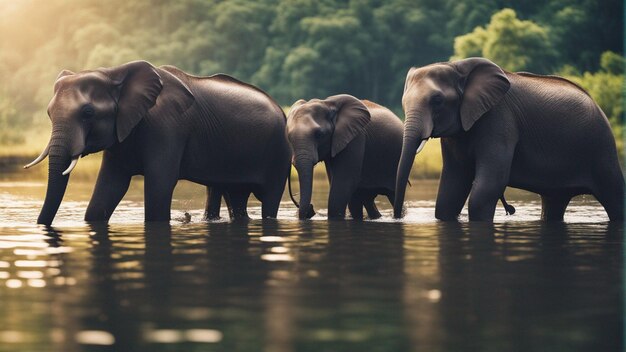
318 130
444 100
96 109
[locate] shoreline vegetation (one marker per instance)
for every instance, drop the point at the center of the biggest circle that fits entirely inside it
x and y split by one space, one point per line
427 164
295 49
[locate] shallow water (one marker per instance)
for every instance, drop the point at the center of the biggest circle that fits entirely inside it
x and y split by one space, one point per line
286 285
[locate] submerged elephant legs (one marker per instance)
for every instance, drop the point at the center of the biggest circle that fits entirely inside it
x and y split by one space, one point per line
553 207
236 198
609 191
364 198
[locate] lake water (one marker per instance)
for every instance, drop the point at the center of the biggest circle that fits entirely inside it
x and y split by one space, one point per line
288 285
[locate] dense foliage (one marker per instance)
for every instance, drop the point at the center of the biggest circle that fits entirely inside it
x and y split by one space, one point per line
301 48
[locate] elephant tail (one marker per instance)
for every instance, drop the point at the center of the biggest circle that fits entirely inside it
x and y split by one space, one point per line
510 210
295 202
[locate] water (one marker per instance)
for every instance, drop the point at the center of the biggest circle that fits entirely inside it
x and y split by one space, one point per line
286 285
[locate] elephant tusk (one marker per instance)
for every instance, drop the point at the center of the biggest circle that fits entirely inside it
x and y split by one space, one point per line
72 165
42 156
421 146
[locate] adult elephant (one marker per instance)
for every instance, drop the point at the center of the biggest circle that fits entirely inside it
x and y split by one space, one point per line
359 141
166 125
543 134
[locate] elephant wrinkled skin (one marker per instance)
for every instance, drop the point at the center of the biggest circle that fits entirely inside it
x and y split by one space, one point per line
543 134
166 125
360 144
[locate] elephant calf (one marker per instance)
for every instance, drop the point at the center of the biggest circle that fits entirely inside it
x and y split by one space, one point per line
360 143
166 125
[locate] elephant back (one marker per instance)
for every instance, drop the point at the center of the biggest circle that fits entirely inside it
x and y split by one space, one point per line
223 78
383 121
555 79
229 79
237 130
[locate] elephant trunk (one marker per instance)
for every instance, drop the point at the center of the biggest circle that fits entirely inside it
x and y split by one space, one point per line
61 161
416 133
305 177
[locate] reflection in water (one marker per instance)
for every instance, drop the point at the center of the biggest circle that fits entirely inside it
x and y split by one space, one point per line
557 283
286 285
341 286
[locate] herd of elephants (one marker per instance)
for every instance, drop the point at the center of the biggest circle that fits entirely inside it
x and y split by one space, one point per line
543 134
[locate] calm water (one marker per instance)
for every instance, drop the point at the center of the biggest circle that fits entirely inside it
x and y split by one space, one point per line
286 285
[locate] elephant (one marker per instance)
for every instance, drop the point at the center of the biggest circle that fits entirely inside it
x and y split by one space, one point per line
358 141
543 134
166 125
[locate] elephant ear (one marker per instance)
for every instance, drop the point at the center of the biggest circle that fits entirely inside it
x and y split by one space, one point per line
142 87
485 84
351 118
175 98
138 86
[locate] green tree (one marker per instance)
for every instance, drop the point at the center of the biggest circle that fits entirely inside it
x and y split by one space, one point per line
512 43
606 87
612 63
300 48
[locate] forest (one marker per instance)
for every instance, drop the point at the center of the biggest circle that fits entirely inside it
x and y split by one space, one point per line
303 48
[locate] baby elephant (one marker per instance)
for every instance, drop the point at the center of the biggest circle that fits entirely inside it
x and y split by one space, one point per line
360 143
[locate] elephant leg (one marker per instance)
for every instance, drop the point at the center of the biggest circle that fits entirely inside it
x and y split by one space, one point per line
158 192
345 174
238 199
269 207
110 188
338 198
483 199
160 179
213 203
609 188
553 207
493 168
452 194
370 206
355 205
271 197
391 197
454 185
613 205
229 205
609 191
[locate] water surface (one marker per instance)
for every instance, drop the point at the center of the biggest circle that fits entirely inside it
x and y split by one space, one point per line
287 285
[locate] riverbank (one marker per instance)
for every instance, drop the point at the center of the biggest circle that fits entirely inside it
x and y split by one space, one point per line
427 164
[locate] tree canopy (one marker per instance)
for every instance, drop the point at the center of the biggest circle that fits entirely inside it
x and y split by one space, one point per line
514 44
297 48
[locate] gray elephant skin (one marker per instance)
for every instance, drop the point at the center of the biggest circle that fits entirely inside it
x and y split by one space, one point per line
360 144
543 134
166 125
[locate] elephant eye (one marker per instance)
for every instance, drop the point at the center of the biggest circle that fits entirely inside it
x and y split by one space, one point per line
87 112
436 100
318 133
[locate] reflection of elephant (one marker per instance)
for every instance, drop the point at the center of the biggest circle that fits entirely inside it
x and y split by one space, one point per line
165 125
543 134
479 271
358 141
